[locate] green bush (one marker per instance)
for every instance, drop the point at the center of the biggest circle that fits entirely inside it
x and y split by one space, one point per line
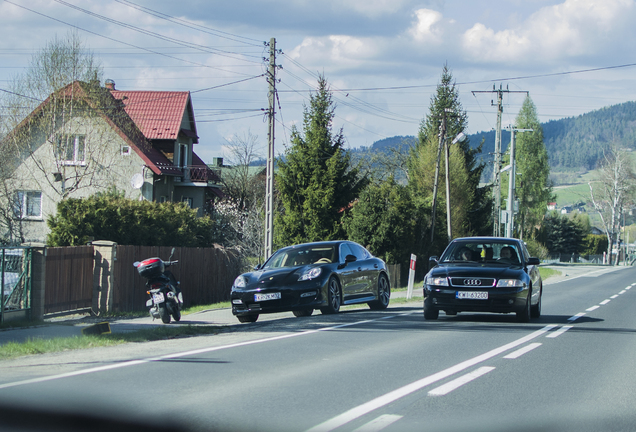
110 216
594 244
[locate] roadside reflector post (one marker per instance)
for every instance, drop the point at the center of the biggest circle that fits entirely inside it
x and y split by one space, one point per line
409 291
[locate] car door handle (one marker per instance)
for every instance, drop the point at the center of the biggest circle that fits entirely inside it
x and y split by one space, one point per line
375 266
359 268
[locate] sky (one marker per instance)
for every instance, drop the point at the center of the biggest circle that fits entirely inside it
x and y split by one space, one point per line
382 58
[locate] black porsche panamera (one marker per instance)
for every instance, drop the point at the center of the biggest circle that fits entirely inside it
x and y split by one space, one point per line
304 277
484 274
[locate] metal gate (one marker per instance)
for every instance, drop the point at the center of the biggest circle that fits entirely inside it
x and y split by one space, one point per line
15 279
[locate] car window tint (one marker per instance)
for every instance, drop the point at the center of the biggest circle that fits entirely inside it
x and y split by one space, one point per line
344 251
358 251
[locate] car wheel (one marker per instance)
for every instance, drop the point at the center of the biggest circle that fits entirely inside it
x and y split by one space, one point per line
303 312
524 315
164 314
384 294
333 297
536 309
248 318
430 313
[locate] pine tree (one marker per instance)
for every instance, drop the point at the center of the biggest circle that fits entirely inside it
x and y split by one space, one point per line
534 188
470 211
315 181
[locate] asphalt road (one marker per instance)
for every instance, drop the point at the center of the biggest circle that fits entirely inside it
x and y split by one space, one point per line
571 369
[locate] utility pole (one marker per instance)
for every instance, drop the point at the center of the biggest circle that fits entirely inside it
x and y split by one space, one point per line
269 188
496 172
512 181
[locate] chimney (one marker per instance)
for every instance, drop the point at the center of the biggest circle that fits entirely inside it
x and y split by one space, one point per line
109 84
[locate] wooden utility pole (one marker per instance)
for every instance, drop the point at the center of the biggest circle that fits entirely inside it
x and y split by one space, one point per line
269 188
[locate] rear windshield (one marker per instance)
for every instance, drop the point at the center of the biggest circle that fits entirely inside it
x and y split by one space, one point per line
472 251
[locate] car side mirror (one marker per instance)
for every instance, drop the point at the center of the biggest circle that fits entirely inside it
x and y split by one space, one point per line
350 258
432 262
257 266
533 261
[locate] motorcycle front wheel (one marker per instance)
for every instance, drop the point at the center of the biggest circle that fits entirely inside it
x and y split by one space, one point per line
164 314
176 314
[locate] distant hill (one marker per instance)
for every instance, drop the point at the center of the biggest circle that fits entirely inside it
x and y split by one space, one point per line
573 143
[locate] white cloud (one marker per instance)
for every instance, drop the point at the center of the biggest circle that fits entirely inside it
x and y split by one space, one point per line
343 51
570 29
428 26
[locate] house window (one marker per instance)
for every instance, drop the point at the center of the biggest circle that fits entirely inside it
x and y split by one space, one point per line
163 199
28 204
70 149
188 201
183 155
125 150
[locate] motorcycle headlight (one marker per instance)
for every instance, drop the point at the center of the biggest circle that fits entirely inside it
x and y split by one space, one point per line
436 281
509 283
310 274
239 282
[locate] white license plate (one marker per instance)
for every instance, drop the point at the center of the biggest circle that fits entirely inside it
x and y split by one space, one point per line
264 297
472 295
158 298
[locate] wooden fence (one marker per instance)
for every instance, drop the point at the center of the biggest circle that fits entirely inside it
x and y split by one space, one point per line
206 275
69 279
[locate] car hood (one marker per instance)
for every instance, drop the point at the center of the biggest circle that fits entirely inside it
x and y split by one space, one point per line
267 278
476 270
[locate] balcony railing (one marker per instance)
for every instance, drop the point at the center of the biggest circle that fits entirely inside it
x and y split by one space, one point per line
200 174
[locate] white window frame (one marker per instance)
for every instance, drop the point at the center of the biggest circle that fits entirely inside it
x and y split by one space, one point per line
188 200
25 204
78 149
125 150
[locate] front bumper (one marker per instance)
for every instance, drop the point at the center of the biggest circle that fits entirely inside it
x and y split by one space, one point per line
301 295
500 300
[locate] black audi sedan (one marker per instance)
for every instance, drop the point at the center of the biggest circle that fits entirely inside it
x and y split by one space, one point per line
304 277
484 274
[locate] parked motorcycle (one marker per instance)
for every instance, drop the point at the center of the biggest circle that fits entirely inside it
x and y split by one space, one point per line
163 288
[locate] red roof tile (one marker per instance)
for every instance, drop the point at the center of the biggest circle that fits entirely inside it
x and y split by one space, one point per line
157 113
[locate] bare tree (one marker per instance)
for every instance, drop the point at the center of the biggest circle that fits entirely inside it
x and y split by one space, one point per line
613 192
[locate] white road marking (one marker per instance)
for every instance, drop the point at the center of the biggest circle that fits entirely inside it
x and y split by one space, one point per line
614 296
177 355
604 302
577 316
592 308
379 423
394 395
559 332
622 292
522 351
456 383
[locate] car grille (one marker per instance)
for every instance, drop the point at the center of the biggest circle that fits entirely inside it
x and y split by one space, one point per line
472 282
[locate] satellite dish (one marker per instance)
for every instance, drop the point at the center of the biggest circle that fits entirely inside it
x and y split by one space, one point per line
137 181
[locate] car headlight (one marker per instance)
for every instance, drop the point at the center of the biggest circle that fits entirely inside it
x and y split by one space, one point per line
509 283
436 281
239 282
310 274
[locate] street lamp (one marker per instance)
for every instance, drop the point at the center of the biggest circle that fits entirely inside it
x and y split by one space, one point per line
460 137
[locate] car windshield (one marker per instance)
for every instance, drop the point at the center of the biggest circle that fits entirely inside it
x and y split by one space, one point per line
302 255
501 252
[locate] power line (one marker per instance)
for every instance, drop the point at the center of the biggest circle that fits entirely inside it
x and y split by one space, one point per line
122 42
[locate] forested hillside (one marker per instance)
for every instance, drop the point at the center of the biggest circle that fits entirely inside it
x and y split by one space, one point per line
572 143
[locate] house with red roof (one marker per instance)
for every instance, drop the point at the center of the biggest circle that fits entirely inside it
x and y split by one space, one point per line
85 139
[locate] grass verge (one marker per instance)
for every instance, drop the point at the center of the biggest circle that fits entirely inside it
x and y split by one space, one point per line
548 272
41 346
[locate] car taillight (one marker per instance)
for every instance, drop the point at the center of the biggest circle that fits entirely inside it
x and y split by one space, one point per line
156 285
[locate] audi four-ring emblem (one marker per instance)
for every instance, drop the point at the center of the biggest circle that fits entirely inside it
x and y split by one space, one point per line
472 282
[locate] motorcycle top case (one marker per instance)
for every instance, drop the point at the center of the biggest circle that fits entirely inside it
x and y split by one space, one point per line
150 268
